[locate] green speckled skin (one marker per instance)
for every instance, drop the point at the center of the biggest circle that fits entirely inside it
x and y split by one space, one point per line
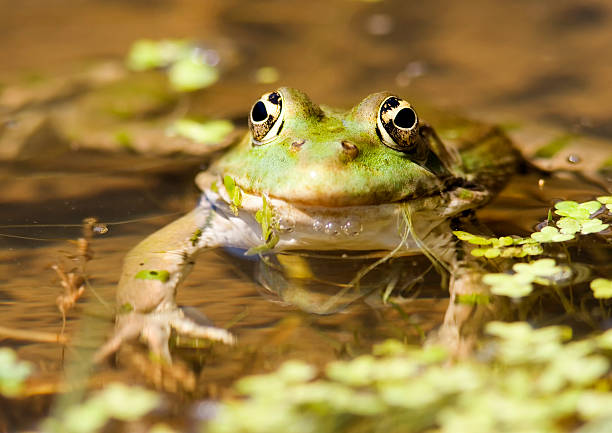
320 173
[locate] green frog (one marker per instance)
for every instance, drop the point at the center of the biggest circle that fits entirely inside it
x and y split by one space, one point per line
378 177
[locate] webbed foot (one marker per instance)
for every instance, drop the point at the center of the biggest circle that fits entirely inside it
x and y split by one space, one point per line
154 329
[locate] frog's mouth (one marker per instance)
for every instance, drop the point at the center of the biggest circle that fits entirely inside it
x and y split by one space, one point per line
404 226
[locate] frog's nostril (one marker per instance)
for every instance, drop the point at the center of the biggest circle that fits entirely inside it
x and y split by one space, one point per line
349 149
297 144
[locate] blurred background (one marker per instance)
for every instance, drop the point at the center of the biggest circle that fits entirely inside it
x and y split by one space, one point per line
539 60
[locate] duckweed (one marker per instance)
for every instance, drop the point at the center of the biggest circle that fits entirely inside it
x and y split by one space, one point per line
187 68
115 401
266 219
523 380
602 288
575 218
234 192
207 132
13 373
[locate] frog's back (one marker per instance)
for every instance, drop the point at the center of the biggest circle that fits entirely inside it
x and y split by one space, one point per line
487 155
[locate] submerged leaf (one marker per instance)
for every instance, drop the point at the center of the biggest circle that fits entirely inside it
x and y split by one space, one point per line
602 288
208 132
191 74
149 54
514 286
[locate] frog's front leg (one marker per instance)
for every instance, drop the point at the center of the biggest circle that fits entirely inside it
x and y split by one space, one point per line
152 272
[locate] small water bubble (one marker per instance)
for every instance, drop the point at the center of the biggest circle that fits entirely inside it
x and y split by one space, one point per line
573 158
352 227
286 224
331 228
317 225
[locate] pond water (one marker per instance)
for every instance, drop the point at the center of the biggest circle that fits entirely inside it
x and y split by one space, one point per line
539 66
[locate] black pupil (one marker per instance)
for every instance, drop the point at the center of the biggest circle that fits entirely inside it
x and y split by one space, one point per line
259 112
405 118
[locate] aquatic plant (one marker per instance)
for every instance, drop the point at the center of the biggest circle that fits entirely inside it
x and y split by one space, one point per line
522 380
13 373
576 218
115 401
188 69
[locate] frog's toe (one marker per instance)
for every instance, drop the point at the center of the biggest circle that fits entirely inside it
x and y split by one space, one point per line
126 330
186 326
155 330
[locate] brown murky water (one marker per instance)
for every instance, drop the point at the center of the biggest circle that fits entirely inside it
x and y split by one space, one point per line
543 63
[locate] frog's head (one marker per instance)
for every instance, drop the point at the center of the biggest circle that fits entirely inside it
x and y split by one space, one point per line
377 152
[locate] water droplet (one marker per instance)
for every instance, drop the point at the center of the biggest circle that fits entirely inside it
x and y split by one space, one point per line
317 225
573 159
331 228
352 227
286 224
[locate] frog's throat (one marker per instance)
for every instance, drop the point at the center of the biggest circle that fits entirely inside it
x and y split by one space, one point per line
367 227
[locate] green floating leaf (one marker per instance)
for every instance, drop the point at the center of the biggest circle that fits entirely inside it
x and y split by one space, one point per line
550 234
208 132
116 401
575 210
267 75
594 225
519 284
602 288
606 200
148 274
191 74
234 192
532 249
538 268
13 372
296 371
472 239
594 405
265 218
604 341
126 403
149 54
568 226
489 253
514 286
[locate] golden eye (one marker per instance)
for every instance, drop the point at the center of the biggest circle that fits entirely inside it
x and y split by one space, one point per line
397 124
266 118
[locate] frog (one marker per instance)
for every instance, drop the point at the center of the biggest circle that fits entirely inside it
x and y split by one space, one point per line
308 177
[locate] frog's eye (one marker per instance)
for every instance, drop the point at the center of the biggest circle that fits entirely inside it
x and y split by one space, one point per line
397 124
266 118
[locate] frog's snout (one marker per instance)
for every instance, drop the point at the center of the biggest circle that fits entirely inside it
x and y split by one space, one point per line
349 150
